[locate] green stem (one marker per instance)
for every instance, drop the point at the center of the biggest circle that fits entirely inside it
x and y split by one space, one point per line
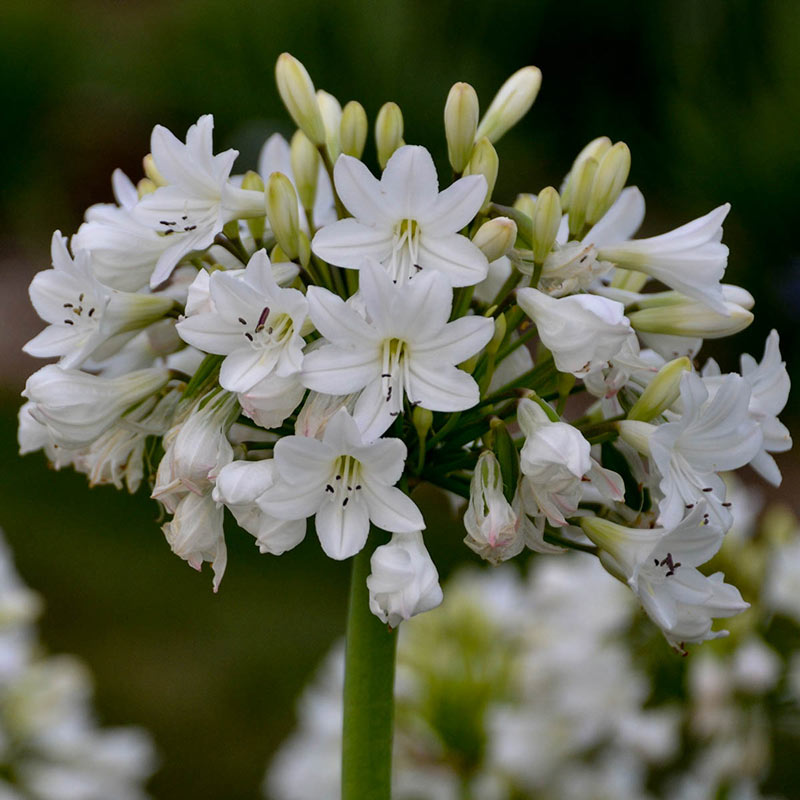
368 692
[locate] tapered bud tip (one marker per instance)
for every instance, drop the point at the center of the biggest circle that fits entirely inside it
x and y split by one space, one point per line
500 328
353 129
511 103
662 391
145 186
331 111
297 92
388 132
484 161
282 212
460 124
422 419
595 149
580 186
253 181
612 173
545 219
305 162
151 171
496 237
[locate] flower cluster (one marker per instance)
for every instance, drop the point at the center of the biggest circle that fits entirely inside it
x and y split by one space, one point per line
309 341
50 745
519 687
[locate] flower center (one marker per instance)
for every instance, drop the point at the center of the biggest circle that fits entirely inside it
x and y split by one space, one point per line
345 480
405 250
181 225
272 329
669 564
394 374
80 312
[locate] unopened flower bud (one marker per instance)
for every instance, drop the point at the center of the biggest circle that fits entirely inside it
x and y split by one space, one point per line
662 392
496 237
353 129
484 161
151 171
331 111
507 458
305 162
460 124
595 149
691 319
145 186
546 218
612 173
637 434
282 212
511 103
422 420
500 329
581 182
298 95
253 182
388 132
525 203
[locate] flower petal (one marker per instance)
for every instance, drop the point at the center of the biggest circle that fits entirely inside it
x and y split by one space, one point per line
454 256
348 242
391 509
342 530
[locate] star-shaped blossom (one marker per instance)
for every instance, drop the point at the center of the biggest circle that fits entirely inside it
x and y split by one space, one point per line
660 565
85 317
198 198
253 322
343 481
404 346
403 221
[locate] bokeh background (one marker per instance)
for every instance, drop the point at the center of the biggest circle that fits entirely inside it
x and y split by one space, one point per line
706 94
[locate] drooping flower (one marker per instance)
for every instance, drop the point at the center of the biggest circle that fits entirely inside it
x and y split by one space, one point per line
254 323
198 198
660 565
404 347
403 221
403 581
582 331
345 482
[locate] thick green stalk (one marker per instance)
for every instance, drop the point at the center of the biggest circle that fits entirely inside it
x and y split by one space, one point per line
368 692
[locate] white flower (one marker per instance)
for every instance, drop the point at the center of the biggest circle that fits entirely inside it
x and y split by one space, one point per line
199 198
403 220
239 486
84 315
403 581
271 400
582 331
782 586
769 390
275 157
619 223
494 526
254 323
553 460
344 481
660 565
691 258
406 346
195 534
124 249
712 434
77 407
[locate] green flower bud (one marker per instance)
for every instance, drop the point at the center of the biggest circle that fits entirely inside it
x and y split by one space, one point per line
581 182
546 218
252 181
663 391
595 149
460 124
511 103
388 132
331 112
496 237
282 213
484 161
691 319
353 129
637 434
612 173
507 457
305 162
422 419
525 203
145 186
500 329
297 92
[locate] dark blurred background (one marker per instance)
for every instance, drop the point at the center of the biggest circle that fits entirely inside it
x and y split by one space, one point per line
706 94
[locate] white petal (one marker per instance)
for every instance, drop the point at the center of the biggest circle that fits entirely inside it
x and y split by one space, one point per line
334 370
456 206
301 460
389 508
348 242
410 182
455 256
335 320
458 340
441 387
342 531
361 193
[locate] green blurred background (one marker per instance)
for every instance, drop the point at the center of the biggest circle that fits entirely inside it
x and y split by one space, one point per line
705 93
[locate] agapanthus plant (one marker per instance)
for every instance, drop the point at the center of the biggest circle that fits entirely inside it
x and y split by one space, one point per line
311 341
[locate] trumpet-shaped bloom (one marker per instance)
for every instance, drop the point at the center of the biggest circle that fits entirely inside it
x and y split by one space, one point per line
582 331
403 221
198 198
85 318
691 259
404 581
77 407
405 346
254 323
660 565
343 481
